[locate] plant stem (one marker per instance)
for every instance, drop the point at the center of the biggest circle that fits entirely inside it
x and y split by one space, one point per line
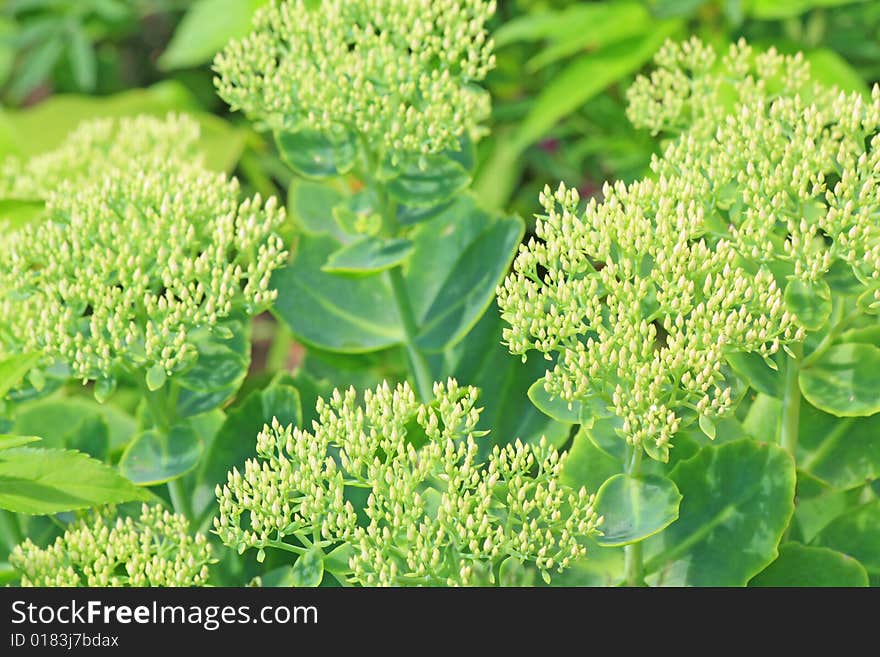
419 367
10 531
161 405
633 574
791 401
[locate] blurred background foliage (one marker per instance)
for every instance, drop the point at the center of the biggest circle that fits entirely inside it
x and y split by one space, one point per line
557 89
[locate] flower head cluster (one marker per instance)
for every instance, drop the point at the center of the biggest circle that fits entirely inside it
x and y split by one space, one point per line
433 514
126 261
398 72
155 549
771 182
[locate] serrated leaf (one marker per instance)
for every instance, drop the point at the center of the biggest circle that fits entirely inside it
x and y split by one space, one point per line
308 570
738 498
844 381
8 442
635 508
799 565
44 481
368 256
155 457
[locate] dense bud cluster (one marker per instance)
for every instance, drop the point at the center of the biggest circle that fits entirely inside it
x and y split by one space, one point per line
398 72
132 255
433 515
155 549
767 196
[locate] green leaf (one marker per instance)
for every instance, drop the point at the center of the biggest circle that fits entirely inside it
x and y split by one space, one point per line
588 466
14 369
844 452
430 181
219 369
554 407
44 126
830 69
368 256
17 213
82 58
513 573
8 442
58 421
333 312
336 562
503 380
738 498
776 9
206 27
308 570
635 508
587 76
155 457
90 435
799 565
460 257
844 381
235 441
156 377
811 302
707 426
44 481
317 155
37 67
857 534
310 204
755 371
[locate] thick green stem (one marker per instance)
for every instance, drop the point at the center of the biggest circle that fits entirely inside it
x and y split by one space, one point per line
791 401
633 567
419 367
162 410
10 532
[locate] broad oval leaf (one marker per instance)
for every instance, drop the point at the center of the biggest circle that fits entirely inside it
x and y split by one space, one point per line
333 312
72 422
757 373
503 381
738 498
811 302
587 465
311 204
799 565
317 154
45 481
155 457
460 257
554 407
308 570
635 508
857 534
368 256
842 451
14 369
429 181
844 381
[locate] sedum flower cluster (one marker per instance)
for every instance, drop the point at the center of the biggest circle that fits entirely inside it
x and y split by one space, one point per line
155 549
768 190
400 73
138 245
434 515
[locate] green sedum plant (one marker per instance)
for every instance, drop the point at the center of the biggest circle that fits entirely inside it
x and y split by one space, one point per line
739 263
434 513
194 254
154 549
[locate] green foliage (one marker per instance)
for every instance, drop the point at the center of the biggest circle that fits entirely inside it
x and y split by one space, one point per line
689 330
